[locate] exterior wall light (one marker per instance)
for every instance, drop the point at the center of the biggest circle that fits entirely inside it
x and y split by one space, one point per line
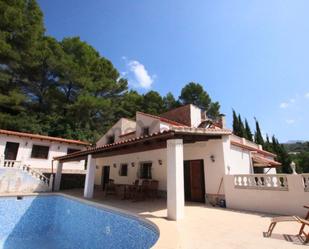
212 158
133 164
26 143
160 162
115 165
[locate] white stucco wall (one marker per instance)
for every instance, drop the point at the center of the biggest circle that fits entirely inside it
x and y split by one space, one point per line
55 149
240 161
17 181
158 171
146 121
195 114
272 201
122 126
214 171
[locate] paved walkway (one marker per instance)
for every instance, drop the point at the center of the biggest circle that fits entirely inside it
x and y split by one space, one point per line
208 227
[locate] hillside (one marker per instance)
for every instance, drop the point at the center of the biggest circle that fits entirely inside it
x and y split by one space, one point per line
297 147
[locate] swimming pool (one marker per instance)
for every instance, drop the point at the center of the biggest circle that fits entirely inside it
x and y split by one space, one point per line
58 222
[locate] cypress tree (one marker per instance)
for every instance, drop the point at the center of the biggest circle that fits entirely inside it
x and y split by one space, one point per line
268 146
258 138
235 123
242 132
248 132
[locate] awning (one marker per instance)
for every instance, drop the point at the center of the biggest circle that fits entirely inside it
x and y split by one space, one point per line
259 161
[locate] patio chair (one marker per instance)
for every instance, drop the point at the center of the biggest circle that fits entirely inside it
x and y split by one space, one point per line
142 191
132 189
153 189
304 222
301 231
110 187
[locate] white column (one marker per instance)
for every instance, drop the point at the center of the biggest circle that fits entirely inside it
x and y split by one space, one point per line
89 182
58 176
226 151
175 181
51 179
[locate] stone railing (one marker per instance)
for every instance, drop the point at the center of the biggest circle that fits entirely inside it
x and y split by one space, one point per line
26 168
306 182
261 181
35 174
10 163
275 194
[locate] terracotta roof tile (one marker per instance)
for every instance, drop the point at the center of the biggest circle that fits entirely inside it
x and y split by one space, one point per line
43 137
165 120
251 148
262 161
182 130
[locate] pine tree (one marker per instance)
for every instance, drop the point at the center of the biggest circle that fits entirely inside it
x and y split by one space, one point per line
258 138
170 102
248 132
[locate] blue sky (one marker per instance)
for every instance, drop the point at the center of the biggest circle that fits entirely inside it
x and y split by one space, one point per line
252 56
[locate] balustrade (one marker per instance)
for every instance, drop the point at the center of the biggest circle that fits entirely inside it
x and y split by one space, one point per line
261 181
306 182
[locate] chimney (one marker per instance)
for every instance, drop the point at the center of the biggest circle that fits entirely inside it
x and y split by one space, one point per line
222 121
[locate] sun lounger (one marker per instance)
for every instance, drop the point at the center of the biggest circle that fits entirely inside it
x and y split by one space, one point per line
302 229
304 222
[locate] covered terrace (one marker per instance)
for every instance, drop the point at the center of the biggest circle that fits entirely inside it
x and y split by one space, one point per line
172 140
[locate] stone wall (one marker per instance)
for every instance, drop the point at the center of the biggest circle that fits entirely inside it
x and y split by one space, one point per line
15 180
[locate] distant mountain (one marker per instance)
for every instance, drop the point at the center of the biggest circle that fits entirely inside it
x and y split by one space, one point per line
297 146
295 141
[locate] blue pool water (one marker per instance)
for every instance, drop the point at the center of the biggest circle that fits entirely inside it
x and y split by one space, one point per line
57 222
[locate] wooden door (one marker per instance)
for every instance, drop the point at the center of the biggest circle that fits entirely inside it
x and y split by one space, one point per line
194 181
11 150
197 181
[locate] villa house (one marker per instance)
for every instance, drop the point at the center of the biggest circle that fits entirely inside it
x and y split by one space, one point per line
38 151
185 151
26 161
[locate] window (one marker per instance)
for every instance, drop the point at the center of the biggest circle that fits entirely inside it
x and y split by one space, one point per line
110 139
145 171
145 131
39 151
71 150
123 170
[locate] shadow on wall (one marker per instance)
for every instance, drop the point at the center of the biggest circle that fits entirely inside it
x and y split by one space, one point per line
15 180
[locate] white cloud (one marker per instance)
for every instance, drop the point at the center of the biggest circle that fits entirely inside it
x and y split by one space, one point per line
284 105
137 74
307 95
290 121
142 77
